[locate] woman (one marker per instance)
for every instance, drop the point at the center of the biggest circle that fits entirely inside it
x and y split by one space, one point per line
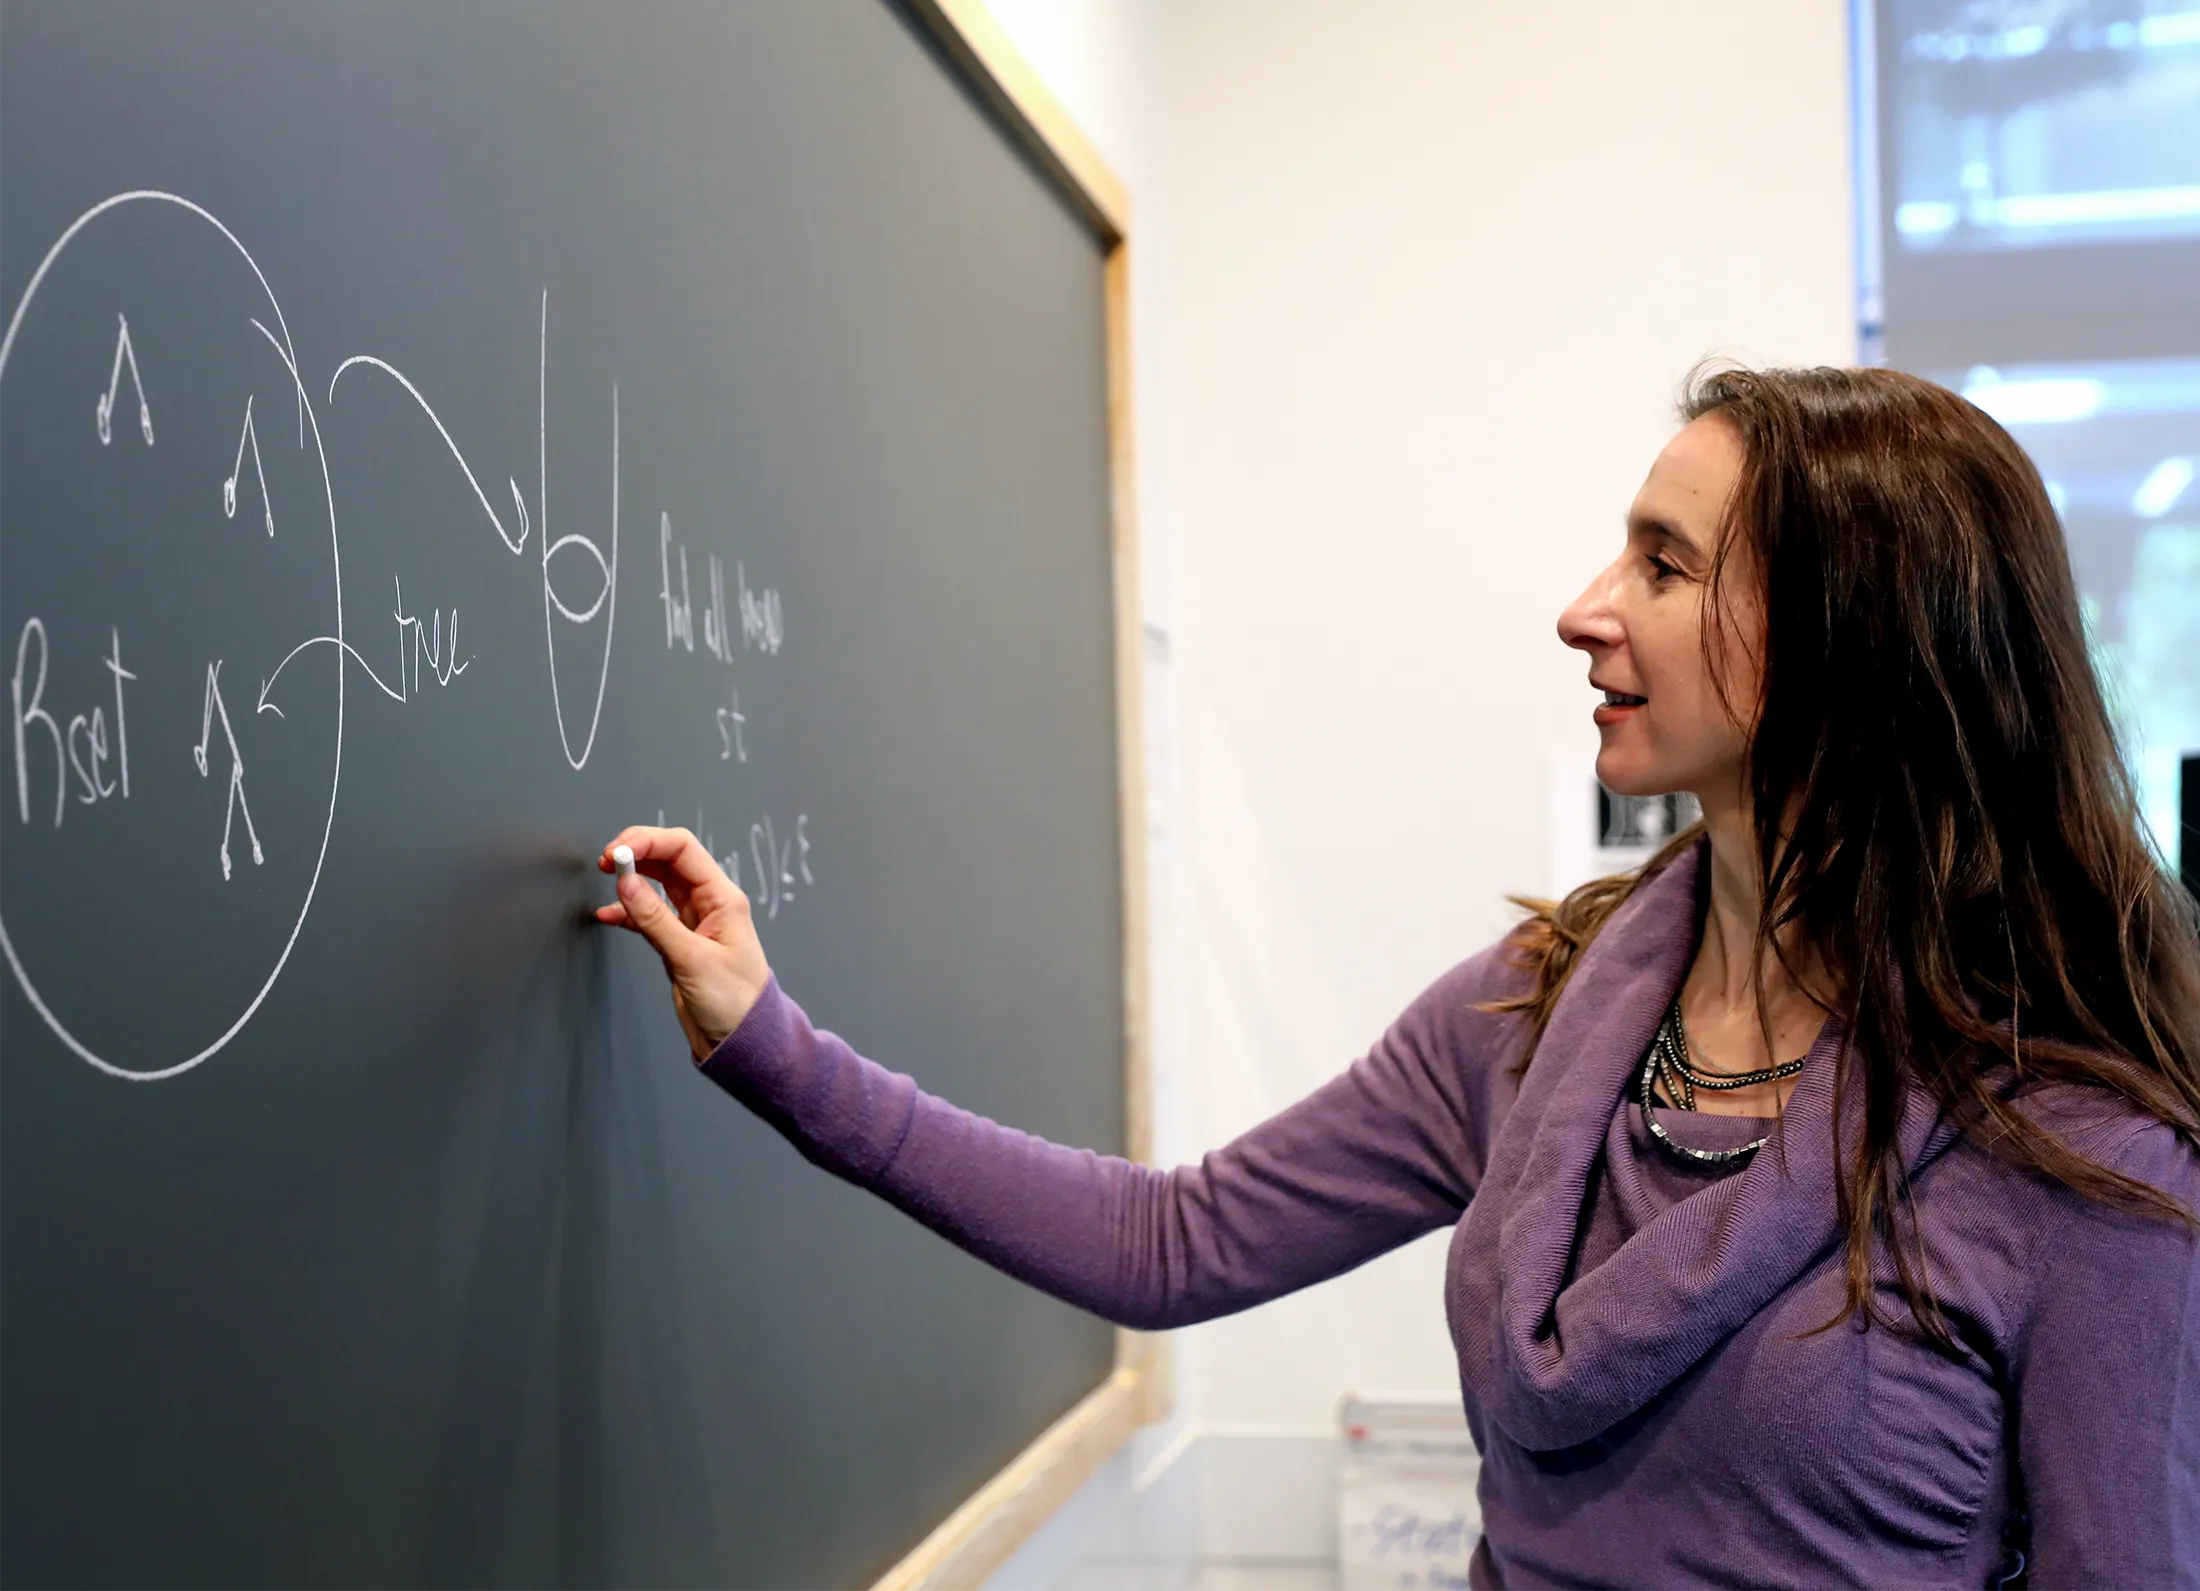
1822 1194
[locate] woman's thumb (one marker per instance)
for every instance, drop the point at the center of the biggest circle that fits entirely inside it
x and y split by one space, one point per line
654 920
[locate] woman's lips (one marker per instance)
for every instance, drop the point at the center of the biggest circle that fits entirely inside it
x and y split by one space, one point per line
1616 706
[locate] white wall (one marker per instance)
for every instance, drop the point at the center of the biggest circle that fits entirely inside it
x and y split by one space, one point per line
1415 282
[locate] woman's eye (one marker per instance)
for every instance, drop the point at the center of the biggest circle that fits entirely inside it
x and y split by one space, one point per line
1660 569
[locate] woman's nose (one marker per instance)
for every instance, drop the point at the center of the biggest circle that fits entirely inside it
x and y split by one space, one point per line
1589 621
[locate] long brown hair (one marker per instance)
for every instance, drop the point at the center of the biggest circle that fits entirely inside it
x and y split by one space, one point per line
1942 815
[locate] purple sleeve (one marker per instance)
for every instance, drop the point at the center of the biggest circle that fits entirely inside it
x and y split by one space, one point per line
2108 1387
1386 1151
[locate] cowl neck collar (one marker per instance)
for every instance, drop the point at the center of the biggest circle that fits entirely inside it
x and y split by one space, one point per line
1555 1364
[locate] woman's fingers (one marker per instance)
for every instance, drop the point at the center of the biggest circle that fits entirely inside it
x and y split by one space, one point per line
677 850
676 859
708 909
701 929
676 887
651 916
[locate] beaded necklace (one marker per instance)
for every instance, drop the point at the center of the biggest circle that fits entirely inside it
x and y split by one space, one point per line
1670 1065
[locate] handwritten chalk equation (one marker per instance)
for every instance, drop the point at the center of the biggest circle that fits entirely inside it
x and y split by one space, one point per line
775 866
763 616
762 625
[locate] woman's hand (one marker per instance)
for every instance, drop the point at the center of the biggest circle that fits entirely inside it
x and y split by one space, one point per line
705 936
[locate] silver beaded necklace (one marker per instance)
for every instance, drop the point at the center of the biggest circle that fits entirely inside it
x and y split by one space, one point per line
1670 1065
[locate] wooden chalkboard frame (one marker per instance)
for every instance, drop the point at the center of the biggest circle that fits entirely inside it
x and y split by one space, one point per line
980 1535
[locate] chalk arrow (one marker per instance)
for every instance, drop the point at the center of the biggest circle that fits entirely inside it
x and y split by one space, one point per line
268 684
519 503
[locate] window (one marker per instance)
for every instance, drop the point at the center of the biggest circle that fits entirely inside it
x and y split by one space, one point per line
2030 235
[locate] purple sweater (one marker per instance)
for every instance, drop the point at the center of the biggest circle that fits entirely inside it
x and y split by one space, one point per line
1631 1331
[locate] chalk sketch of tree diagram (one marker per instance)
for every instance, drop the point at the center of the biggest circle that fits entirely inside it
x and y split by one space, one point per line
167 813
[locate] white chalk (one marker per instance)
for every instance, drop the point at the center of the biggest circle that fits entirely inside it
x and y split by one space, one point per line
623 855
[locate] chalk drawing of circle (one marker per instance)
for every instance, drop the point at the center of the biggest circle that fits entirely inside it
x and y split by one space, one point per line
277 330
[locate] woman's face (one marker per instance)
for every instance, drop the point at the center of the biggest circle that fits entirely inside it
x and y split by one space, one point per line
1663 724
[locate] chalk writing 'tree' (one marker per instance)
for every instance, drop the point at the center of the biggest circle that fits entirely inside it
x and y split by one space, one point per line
419 643
426 645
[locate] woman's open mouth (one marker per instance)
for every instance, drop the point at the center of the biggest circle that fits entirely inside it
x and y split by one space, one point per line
1616 706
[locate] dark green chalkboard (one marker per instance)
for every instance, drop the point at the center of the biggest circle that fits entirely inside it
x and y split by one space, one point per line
361 1219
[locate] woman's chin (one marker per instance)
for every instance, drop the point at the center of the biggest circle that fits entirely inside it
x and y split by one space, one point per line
1628 776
